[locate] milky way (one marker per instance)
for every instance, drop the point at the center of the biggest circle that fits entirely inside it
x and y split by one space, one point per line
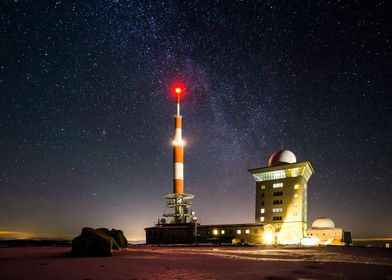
87 118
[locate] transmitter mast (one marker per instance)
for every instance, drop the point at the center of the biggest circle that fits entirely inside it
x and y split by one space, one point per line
178 200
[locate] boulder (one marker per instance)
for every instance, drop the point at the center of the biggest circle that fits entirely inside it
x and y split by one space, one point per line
93 242
118 236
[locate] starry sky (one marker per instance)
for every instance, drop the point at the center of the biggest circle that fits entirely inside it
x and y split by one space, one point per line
87 119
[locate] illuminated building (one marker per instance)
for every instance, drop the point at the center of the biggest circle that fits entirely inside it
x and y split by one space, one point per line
281 196
219 234
323 231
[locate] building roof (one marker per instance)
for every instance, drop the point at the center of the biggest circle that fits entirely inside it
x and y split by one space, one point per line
323 223
170 226
280 167
282 157
303 168
230 225
177 226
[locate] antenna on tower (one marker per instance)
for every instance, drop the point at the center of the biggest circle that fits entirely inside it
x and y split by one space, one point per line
178 200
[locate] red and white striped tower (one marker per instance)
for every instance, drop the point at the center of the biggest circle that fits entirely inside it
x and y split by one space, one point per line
178 200
178 148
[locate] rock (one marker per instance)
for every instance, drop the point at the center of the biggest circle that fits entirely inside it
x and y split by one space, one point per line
118 235
93 242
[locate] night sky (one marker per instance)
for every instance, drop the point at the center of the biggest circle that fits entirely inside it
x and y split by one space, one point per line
87 118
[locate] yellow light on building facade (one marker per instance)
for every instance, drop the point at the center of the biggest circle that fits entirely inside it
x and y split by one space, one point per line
310 241
268 238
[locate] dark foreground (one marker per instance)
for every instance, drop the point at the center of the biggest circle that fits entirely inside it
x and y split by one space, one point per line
153 262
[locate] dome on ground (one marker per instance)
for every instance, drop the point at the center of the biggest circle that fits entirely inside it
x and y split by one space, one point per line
323 222
282 157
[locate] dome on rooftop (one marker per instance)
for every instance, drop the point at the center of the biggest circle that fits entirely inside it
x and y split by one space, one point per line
323 222
282 157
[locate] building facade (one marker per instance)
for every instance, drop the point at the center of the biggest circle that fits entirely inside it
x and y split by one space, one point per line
281 196
193 233
324 232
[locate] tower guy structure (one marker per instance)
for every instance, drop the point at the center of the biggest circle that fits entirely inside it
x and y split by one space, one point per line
178 200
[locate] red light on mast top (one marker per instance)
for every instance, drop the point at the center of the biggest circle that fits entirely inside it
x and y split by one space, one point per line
178 89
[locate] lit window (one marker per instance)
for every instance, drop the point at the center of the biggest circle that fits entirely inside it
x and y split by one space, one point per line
277 210
247 231
294 172
295 195
262 210
238 231
295 204
261 219
222 231
279 174
277 185
263 187
215 232
296 186
273 175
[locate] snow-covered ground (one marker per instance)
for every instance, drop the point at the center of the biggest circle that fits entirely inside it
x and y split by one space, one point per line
207 262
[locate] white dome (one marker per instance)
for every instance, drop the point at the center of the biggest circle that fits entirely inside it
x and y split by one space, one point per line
323 222
282 157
